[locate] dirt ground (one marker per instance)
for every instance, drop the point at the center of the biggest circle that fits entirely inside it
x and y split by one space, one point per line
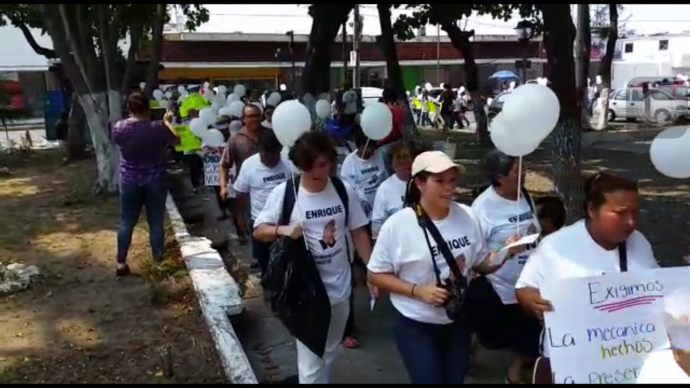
80 324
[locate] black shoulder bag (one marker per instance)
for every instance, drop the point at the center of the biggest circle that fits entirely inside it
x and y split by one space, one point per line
457 285
542 373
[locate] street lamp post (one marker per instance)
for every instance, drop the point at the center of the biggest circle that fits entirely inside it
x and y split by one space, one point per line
291 34
524 33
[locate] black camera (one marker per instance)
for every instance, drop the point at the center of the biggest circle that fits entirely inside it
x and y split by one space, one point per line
454 305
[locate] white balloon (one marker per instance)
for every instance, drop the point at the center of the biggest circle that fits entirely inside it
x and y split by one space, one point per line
239 90
168 94
142 85
323 108
290 120
428 86
532 111
206 114
669 152
222 90
283 87
164 104
274 99
215 107
376 121
512 85
231 97
198 127
224 111
207 85
209 95
213 138
506 140
158 94
236 108
181 89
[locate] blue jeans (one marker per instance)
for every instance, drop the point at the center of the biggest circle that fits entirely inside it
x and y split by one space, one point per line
133 197
433 354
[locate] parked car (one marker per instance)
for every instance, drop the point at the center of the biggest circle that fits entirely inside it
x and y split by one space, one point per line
496 105
628 103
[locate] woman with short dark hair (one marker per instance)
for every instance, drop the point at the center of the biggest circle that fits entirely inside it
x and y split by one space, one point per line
504 209
143 182
605 241
325 210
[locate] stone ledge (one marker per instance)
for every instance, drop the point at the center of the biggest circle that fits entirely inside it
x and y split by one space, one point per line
218 295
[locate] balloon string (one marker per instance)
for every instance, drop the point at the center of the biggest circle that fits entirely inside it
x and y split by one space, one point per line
299 211
519 192
366 144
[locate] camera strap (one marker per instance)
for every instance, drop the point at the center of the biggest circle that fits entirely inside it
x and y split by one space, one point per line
428 227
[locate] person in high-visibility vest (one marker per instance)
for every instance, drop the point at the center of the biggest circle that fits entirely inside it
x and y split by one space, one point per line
424 105
417 108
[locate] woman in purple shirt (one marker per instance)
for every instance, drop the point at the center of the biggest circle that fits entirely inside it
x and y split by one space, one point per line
143 147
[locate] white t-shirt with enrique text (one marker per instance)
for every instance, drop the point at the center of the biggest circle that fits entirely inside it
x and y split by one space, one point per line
258 180
365 176
499 219
572 253
389 199
322 216
401 249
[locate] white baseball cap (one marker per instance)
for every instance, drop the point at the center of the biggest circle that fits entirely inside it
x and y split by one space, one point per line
434 162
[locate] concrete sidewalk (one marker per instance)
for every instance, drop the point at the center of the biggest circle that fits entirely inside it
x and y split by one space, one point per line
271 350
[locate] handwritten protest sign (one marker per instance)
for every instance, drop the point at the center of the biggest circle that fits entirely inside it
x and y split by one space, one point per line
605 329
188 142
211 158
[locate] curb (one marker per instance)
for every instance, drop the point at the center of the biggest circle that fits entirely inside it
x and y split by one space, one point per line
218 295
620 136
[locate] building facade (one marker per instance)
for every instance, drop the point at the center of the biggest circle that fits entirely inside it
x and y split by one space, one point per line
263 60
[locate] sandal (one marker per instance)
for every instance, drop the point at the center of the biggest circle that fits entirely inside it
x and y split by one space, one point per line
122 271
350 342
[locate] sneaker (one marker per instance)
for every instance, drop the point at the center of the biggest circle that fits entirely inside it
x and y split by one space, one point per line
122 271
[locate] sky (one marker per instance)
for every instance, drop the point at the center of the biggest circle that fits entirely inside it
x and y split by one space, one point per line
278 19
263 18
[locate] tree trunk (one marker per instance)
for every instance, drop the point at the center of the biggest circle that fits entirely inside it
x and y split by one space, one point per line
107 154
326 22
386 43
605 66
156 49
566 139
76 140
583 47
461 40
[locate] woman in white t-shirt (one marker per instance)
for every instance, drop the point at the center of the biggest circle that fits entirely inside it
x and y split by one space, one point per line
365 170
408 263
590 247
319 215
391 194
505 209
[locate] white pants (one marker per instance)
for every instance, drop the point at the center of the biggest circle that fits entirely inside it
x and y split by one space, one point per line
313 369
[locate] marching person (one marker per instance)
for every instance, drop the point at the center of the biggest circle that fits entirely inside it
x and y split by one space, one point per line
424 256
326 209
390 196
502 209
606 241
260 174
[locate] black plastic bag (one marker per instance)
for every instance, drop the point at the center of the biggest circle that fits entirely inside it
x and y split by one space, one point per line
296 295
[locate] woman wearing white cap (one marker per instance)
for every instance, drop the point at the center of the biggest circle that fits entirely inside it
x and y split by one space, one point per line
426 279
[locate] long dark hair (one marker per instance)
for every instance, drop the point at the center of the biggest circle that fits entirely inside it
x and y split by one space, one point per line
412 194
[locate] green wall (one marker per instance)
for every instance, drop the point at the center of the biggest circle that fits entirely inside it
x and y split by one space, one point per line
412 76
